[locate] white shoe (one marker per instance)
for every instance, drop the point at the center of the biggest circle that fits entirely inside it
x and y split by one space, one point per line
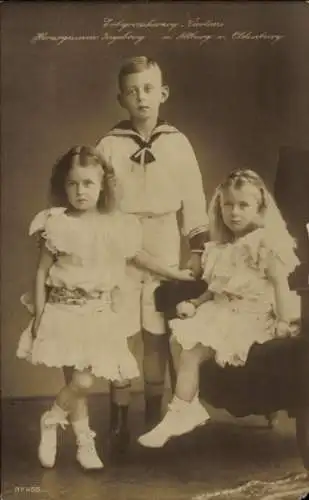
48 443
181 418
86 451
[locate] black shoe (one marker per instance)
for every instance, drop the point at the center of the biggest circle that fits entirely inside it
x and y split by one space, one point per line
119 441
152 411
119 435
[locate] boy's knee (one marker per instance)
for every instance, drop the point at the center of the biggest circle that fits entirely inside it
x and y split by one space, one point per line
153 342
82 380
155 357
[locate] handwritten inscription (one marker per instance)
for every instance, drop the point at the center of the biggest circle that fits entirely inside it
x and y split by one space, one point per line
196 30
121 25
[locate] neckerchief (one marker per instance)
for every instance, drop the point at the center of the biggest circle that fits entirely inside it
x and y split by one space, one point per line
144 154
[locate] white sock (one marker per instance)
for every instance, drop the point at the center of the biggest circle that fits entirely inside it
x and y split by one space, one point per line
56 415
57 410
196 398
81 426
179 404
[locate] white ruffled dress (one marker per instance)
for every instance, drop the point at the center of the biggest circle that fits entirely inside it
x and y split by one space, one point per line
242 311
90 259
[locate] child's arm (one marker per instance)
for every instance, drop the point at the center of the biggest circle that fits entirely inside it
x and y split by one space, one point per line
194 204
208 295
147 261
280 283
44 264
187 308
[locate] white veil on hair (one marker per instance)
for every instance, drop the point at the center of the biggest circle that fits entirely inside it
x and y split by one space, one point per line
278 236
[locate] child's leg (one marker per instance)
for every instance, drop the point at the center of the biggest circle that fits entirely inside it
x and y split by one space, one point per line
50 420
68 373
155 343
48 442
154 369
73 397
71 400
86 451
187 385
120 396
185 411
57 415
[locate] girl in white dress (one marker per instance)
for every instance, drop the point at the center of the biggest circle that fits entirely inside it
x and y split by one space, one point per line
246 266
82 313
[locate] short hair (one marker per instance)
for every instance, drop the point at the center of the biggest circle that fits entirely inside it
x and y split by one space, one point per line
136 65
83 156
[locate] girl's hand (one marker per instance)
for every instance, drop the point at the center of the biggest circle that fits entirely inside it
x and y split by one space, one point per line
283 329
184 275
185 310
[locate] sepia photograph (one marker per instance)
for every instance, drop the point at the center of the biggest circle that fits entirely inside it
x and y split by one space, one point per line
155 250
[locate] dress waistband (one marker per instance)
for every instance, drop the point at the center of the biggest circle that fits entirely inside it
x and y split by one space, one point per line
77 296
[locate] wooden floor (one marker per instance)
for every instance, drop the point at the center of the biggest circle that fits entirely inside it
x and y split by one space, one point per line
224 454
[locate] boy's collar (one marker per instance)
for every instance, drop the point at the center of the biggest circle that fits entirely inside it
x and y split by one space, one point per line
126 128
144 154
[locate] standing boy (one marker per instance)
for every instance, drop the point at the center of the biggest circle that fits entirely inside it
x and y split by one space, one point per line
159 174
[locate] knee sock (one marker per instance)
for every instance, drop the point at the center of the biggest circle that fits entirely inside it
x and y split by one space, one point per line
57 415
121 394
120 397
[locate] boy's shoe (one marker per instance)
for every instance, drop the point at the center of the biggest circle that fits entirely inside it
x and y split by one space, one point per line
181 418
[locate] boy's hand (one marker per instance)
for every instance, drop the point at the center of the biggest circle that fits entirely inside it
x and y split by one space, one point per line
185 310
195 264
185 275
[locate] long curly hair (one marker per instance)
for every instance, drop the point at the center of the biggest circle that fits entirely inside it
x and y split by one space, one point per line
269 216
84 156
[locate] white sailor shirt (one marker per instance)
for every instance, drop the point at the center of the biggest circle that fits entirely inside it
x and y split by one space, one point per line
158 176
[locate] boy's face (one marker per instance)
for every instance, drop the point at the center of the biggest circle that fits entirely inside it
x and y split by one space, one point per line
142 93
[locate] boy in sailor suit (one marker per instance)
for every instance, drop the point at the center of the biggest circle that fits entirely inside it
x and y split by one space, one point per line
160 176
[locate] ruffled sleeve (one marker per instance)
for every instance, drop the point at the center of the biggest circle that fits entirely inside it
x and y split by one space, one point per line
265 249
270 248
48 225
38 223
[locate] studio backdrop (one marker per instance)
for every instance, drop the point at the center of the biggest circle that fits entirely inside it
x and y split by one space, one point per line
238 76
